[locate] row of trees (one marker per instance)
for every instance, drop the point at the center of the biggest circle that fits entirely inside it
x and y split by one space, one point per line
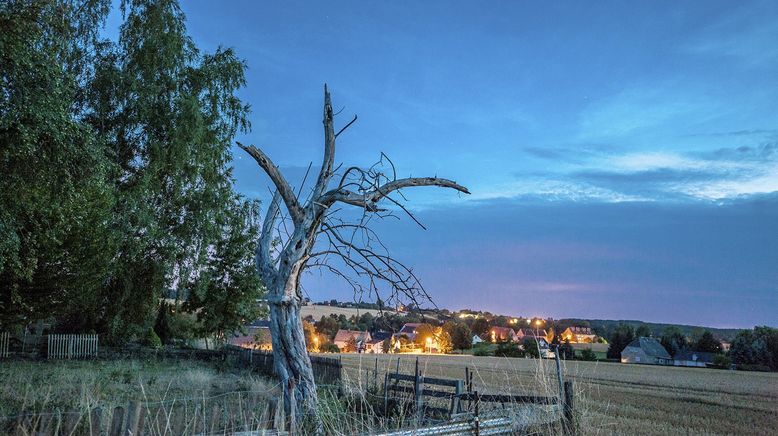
672 339
116 181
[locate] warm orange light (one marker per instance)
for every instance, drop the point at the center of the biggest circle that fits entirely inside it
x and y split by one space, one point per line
429 341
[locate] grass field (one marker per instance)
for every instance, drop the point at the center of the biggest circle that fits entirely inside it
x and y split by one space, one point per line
81 385
317 311
617 398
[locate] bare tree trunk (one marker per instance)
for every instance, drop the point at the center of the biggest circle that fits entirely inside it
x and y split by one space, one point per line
290 357
281 272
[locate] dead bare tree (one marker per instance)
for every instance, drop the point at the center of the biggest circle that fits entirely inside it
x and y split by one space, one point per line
354 244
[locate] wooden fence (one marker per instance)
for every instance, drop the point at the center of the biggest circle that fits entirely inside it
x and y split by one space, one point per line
71 346
224 414
326 370
517 413
5 344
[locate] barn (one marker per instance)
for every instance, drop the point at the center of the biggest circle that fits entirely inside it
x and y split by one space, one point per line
647 351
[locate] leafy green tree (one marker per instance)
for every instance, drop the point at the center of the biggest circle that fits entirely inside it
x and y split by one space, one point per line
643 331
588 354
673 340
423 332
328 326
461 337
55 200
756 347
224 295
480 327
531 348
706 342
621 336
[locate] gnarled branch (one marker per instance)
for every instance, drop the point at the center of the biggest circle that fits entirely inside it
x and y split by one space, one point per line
329 148
282 186
369 199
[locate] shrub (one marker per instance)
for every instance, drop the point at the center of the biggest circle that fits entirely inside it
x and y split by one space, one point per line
507 349
330 348
588 354
722 361
481 351
151 339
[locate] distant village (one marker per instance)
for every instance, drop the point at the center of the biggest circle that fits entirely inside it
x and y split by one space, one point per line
336 327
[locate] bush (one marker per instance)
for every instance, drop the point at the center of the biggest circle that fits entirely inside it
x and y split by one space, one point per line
507 349
722 361
151 339
330 348
588 354
481 351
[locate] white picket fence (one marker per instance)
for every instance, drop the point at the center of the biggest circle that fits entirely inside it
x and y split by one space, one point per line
5 344
72 346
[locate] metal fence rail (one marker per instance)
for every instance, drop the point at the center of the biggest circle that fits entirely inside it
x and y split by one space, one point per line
71 346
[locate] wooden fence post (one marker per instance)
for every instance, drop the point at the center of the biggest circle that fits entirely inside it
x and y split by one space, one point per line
94 421
418 390
569 424
116 421
133 418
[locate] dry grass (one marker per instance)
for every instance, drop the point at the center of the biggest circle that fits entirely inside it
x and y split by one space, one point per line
615 398
81 385
317 311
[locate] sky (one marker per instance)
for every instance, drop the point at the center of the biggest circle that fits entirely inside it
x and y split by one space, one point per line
622 158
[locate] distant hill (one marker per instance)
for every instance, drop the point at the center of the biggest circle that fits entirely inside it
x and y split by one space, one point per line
604 327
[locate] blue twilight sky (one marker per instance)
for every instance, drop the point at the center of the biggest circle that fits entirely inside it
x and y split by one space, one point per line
622 157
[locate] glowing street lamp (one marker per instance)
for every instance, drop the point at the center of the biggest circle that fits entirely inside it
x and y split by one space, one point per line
429 345
316 343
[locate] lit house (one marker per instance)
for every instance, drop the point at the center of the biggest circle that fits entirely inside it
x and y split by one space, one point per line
343 337
257 336
503 334
578 335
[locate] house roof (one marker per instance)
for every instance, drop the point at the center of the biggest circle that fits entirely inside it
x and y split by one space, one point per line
581 330
532 332
381 335
650 346
345 335
410 328
255 336
696 356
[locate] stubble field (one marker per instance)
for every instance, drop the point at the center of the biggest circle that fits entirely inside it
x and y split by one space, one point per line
616 398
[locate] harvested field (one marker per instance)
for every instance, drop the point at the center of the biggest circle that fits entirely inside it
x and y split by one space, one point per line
617 398
317 311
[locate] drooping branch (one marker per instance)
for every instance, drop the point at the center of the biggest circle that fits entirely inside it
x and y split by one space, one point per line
282 186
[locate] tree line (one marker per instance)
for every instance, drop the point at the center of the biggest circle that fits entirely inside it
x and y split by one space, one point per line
117 186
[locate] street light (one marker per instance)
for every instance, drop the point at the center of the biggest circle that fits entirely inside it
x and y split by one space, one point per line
429 345
316 344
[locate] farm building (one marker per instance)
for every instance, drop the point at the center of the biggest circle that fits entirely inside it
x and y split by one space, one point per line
503 334
343 337
376 343
578 335
693 358
409 330
521 334
477 339
257 336
646 351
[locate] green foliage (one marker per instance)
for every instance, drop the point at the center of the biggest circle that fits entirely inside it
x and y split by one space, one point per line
622 335
330 348
588 354
461 337
706 342
116 180
673 340
756 348
508 349
722 361
530 347
423 332
151 339
643 331
482 350
480 327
